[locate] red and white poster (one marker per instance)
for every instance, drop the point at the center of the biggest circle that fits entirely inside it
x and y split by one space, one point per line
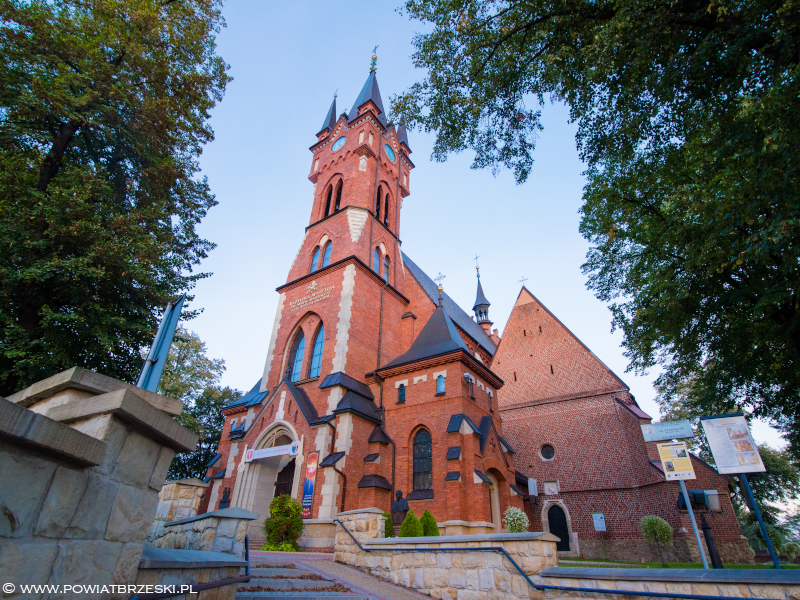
308 486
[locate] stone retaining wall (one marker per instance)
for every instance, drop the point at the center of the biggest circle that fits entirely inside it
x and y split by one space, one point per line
219 531
449 575
180 499
681 549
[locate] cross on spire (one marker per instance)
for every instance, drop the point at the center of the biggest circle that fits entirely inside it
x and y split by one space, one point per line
523 280
477 266
438 279
372 66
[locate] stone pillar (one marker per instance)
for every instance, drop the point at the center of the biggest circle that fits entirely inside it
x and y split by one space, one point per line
365 524
88 455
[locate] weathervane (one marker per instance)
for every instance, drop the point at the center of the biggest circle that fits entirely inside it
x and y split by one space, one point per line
477 267
523 280
438 279
374 58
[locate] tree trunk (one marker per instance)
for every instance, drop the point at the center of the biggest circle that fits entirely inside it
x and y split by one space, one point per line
52 162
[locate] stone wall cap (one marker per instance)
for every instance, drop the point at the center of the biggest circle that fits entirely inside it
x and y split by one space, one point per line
190 481
78 378
131 408
362 510
235 512
168 558
318 521
460 539
730 576
23 427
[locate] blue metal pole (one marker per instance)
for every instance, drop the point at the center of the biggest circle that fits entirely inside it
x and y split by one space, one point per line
694 523
157 357
760 520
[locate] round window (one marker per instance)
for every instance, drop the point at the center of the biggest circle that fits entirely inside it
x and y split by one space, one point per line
547 452
389 152
337 145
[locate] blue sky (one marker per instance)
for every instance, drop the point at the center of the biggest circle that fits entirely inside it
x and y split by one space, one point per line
287 59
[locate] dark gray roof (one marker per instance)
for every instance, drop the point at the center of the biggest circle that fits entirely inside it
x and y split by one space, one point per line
453 452
303 401
369 92
332 459
378 436
439 336
455 423
480 299
519 491
219 475
483 429
483 477
452 476
251 398
330 118
347 382
371 457
506 444
355 403
375 481
214 460
402 136
460 318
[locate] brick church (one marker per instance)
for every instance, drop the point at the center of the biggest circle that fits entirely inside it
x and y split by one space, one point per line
377 381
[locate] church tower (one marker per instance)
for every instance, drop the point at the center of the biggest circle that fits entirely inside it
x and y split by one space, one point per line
481 307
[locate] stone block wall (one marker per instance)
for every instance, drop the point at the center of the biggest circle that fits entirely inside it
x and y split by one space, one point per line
180 499
219 531
449 575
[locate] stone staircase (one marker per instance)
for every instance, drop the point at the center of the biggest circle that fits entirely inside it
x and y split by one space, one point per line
290 579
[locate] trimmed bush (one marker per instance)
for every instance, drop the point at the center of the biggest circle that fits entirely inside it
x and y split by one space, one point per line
657 530
285 523
429 526
411 526
516 520
388 527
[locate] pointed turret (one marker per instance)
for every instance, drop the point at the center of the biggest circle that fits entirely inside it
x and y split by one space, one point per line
402 137
481 307
370 93
330 118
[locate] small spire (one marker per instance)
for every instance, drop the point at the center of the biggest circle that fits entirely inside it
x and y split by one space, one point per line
330 118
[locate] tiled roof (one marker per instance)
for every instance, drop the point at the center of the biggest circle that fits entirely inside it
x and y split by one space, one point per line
460 318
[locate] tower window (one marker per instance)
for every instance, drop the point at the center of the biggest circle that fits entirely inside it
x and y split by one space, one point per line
386 211
326 258
378 204
440 385
376 260
423 461
328 202
316 357
386 268
314 260
401 394
296 355
338 197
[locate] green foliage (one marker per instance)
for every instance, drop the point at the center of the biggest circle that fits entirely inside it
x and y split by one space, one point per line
411 526
388 526
686 116
429 526
285 522
282 547
657 530
516 520
104 109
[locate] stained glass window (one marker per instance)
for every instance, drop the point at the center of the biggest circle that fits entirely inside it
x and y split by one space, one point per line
315 260
316 357
423 461
296 358
386 268
326 259
376 261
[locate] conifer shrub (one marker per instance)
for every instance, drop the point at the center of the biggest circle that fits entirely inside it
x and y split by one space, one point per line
411 526
388 526
429 526
658 531
285 523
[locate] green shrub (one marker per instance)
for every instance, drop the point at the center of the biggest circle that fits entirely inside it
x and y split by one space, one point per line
516 520
429 526
655 529
411 526
285 523
388 526
282 547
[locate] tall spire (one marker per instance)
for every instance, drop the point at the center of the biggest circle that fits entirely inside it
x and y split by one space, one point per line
369 92
330 118
481 307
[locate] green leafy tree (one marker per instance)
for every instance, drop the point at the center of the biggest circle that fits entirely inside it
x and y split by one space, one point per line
104 108
285 522
429 526
657 530
411 526
686 115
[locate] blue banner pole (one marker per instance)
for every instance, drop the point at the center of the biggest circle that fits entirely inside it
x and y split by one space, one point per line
694 523
760 520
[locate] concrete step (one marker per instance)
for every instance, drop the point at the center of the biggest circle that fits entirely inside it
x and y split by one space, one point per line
289 584
298 596
272 572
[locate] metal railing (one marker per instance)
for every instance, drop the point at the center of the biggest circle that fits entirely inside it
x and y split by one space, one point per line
541 586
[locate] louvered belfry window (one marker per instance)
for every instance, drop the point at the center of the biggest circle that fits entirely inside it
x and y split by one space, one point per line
423 461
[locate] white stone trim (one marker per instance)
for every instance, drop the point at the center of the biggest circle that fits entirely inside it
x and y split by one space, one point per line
231 459
404 382
420 378
276 325
362 163
214 493
356 218
435 376
382 246
279 414
345 312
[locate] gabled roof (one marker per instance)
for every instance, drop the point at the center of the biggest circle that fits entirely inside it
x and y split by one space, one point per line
634 409
455 423
460 318
347 382
363 407
331 459
378 436
303 401
330 118
439 336
251 398
375 481
480 299
369 92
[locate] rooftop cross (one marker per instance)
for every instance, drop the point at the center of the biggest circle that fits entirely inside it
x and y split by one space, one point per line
438 279
477 266
374 58
523 280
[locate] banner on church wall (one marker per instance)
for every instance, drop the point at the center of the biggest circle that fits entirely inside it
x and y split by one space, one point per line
732 444
667 430
308 486
676 461
290 449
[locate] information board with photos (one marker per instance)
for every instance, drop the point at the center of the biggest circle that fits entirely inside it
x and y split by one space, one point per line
676 461
732 445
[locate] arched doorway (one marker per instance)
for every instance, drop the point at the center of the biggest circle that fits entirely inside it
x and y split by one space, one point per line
557 522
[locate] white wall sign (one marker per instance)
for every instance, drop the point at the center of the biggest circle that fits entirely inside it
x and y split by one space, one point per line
290 449
533 489
667 430
599 521
732 445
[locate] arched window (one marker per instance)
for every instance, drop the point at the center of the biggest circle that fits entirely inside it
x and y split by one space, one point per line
378 203
296 356
338 196
440 384
386 211
401 393
328 202
314 260
376 260
423 461
326 258
316 357
386 267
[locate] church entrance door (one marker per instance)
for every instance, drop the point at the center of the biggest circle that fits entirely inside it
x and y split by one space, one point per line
285 479
558 527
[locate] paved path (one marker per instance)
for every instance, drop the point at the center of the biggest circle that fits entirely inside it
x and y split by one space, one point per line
288 576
